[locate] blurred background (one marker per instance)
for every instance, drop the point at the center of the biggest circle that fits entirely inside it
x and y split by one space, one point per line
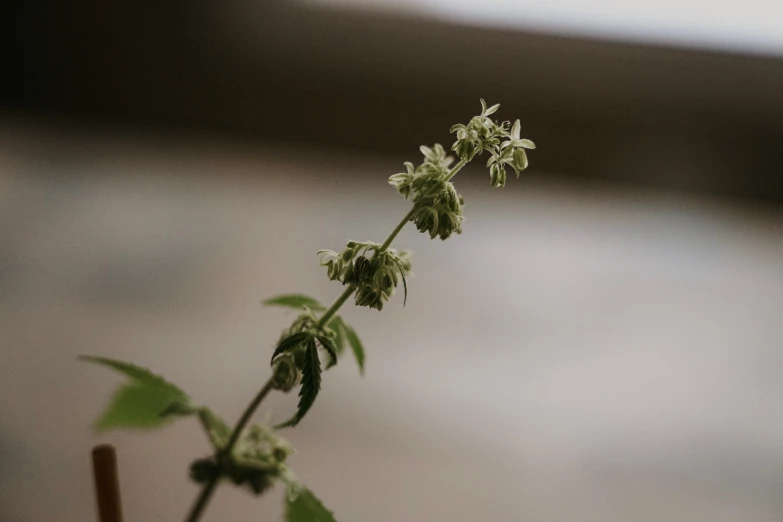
602 343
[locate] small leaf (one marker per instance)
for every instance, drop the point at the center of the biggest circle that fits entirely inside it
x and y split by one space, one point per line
179 409
303 506
336 325
356 346
527 144
401 268
329 346
136 406
292 341
296 301
492 110
147 401
217 430
311 384
134 372
515 130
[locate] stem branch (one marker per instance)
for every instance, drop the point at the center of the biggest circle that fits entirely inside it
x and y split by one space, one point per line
335 306
209 488
396 231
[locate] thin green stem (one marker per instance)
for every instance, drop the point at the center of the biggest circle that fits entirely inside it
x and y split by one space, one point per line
248 413
209 488
396 231
457 167
335 306
203 499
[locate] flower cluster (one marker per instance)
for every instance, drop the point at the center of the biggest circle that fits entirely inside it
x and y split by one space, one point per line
437 208
500 139
374 277
256 461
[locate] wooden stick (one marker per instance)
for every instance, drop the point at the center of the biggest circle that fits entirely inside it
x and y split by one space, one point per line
107 483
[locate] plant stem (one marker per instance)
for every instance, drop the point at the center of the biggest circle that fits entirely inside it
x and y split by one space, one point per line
335 306
203 499
396 231
245 418
209 488
457 167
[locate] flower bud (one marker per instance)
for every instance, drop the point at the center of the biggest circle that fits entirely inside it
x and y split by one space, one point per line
367 296
497 175
204 470
466 149
284 373
361 268
520 159
449 223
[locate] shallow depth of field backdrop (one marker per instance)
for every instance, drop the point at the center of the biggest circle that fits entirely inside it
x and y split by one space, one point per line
604 342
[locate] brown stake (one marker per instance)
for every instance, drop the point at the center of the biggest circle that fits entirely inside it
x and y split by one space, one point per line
107 484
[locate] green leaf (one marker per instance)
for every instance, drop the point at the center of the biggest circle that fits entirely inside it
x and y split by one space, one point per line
217 430
136 406
296 301
290 342
147 401
329 346
401 268
303 506
356 346
337 326
134 372
311 384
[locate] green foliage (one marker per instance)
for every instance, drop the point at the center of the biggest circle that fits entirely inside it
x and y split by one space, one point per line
356 346
336 325
374 279
311 384
295 301
303 506
291 342
345 335
217 430
146 401
330 347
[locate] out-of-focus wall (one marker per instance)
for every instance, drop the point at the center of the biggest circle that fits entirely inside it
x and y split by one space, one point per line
309 74
590 348
580 351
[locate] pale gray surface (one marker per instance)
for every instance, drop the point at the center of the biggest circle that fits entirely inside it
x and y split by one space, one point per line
574 355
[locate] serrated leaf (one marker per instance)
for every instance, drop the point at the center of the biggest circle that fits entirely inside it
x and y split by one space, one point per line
296 301
147 401
356 346
290 342
329 346
311 384
303 506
